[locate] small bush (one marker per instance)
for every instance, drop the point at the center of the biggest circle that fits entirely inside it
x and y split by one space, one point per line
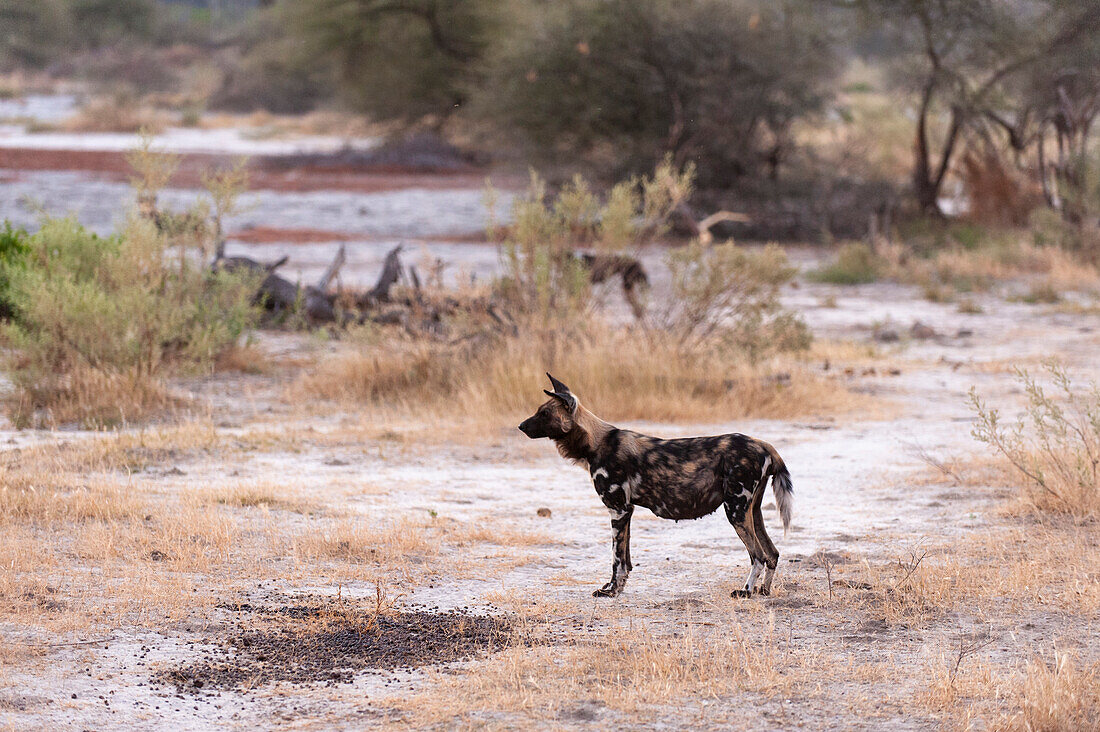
726 298
13 249
543 277
1055 449
119 312
856 264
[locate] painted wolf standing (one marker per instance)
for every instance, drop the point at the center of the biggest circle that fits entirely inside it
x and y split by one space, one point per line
675 479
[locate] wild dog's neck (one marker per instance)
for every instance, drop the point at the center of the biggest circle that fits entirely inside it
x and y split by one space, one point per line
588 432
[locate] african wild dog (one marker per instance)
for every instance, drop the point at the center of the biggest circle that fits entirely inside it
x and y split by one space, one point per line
675 479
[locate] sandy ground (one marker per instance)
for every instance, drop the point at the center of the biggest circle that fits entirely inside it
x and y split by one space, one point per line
863 497
855 499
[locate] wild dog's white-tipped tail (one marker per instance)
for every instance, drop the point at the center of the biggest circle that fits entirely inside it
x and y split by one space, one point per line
784 495
781 487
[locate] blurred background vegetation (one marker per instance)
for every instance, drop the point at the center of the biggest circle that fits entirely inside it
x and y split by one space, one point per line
814 116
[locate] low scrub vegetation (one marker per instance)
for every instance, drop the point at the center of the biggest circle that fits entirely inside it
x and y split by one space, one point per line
964 259
545 275
98 321
717 348
1055 449
95 323
855 264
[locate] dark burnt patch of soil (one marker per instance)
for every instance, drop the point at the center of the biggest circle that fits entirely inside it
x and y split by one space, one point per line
309 644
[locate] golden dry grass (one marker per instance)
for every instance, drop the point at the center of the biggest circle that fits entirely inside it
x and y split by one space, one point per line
620 376
1012 256
630 669
117 115
92 398
1055 694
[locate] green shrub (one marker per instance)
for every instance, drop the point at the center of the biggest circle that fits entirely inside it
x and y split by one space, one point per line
726 297
392 60
543 277
1055 449
13 250
717 82
124 309
855 264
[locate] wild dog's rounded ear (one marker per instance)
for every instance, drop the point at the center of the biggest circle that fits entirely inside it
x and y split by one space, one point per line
559 387
568 400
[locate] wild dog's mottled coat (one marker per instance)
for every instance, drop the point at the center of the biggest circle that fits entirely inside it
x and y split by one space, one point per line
675 479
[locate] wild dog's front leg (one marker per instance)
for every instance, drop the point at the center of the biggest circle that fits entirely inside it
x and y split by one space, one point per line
621 566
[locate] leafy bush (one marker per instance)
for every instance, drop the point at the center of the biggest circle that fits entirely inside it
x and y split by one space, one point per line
1055 449
13 250
855 264
726 297
395 60
35 32
718 82
123 310
543 277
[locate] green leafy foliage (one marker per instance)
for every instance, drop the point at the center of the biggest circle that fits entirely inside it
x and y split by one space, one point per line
727 297
1055 448
718 82
855 264
124 304
35 32
396 60
13 250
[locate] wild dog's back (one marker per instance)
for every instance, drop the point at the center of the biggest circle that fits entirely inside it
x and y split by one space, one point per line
687 478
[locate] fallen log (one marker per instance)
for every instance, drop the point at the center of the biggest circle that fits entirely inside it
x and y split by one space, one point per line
279 295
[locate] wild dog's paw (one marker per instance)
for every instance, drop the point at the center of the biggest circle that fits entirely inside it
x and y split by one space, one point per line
763 591
608 590
740 593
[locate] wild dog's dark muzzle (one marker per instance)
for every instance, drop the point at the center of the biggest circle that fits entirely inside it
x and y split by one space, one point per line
529 428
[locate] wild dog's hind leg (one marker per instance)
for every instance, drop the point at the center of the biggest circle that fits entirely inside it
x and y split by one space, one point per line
621 566
771 555
737 511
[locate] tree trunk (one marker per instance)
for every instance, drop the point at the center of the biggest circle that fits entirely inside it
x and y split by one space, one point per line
926 183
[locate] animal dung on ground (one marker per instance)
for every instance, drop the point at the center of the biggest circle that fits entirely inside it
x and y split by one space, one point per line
543 512
331 642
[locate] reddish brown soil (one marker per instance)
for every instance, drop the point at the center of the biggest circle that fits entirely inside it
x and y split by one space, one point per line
264 173
271 234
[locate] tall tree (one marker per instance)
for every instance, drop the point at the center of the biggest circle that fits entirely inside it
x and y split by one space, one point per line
719 82
397 59
955 57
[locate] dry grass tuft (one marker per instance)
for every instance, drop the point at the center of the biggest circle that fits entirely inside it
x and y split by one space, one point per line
257 495
619 375
93 397
633 670
1055 697
119 114
391 543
